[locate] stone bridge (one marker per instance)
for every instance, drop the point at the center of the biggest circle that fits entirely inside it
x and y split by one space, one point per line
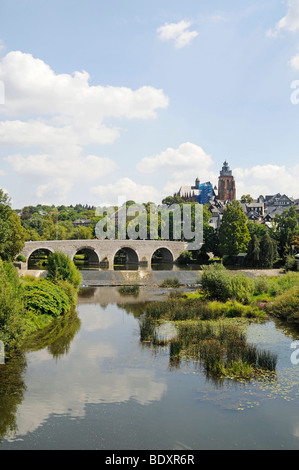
104 251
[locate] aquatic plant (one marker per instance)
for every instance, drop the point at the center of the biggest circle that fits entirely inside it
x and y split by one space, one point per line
129 290
170 282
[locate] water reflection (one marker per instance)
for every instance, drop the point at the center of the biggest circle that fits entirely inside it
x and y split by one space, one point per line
74 362
91 368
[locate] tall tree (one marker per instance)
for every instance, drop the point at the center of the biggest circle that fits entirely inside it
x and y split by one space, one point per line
268 251
246 199
253 254
286 227
12 234
234 235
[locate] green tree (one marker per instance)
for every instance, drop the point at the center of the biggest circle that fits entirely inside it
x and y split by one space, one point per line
234 235
268 251
254 252
246 199
62 268
286 227
12 234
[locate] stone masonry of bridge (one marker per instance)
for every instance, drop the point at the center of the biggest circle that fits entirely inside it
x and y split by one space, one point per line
100 251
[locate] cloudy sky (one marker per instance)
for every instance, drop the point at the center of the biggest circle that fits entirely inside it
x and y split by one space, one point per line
104 100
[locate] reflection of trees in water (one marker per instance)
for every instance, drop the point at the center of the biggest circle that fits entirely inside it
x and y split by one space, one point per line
12 388
136 309
57 338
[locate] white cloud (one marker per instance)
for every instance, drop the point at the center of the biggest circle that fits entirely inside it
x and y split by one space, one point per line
109 194
178 32
49 118
33 87
294 62
80 168
267 179
179 167
186 156
290 22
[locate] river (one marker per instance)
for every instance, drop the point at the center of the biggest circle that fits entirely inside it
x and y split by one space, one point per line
89 383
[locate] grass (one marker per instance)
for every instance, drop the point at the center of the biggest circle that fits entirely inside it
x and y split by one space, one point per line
170 282
129 290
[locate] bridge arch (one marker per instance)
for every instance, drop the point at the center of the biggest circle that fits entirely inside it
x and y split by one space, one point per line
89 255
162 256
125 256
38 257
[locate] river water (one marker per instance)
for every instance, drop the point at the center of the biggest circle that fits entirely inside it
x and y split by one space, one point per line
89 383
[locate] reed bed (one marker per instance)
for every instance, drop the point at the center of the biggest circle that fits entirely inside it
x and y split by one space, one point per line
220 348
129 290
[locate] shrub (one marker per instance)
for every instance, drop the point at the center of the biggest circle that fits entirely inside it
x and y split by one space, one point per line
129 290
260 285
12 324
21 258
215 281
280 284
290 264
286 305
241 288
69 289
185 258
170 283
61 267
45 298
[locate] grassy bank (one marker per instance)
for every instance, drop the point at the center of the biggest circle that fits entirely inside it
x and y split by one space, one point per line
28 305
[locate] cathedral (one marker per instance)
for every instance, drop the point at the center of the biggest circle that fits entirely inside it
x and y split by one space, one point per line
226 184
204 193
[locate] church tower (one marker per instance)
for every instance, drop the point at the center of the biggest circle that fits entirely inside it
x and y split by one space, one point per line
226 184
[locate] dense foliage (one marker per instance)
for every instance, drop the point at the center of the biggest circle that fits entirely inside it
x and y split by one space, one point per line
12 234
62 268
43 297
27 304
12 324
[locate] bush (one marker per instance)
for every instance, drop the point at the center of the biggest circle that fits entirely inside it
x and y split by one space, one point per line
69 290
215 281
12 324
61 267
278 285
185 258
21 258
290 264
129 290
241 288
286 305
170 283
261 285
45 298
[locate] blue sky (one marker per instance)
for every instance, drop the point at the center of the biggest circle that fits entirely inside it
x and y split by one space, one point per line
108 100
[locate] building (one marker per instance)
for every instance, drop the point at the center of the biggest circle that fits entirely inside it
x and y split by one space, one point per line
226 184
206 193
202 193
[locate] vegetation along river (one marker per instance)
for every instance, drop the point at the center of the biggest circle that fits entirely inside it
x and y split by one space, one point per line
89 382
